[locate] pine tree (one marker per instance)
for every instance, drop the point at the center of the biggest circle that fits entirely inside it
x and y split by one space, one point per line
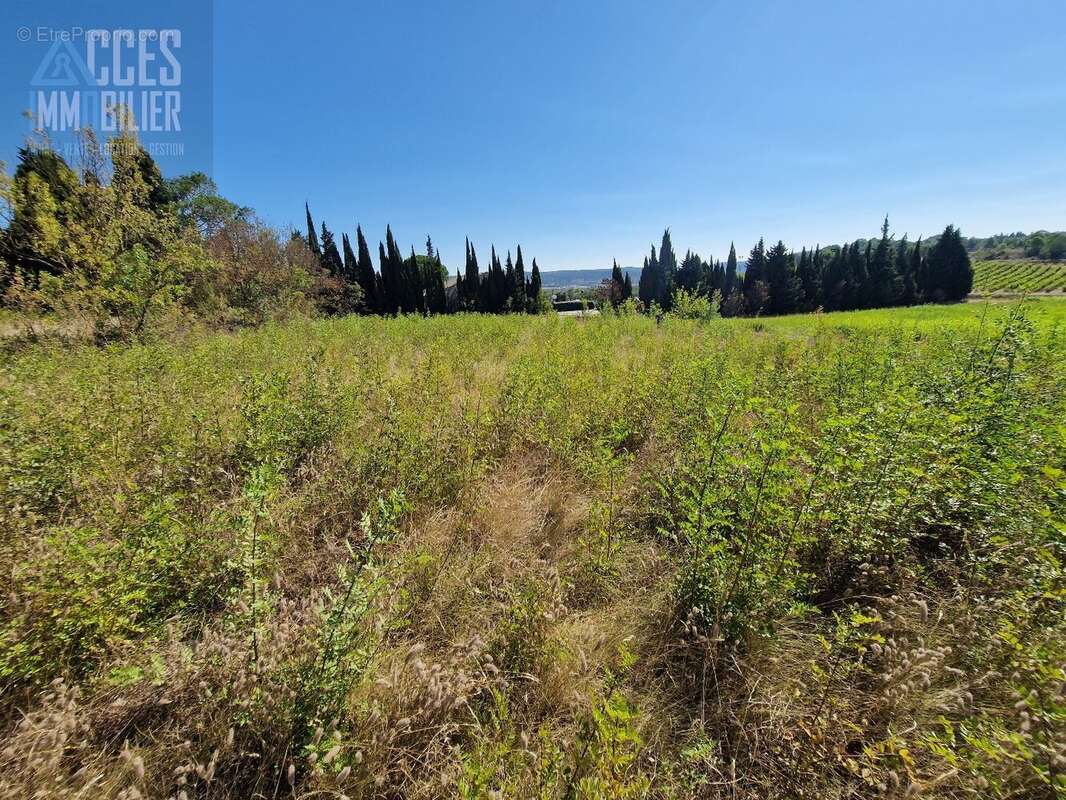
533 292
312 237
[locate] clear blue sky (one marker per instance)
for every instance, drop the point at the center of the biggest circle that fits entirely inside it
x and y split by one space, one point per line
582 129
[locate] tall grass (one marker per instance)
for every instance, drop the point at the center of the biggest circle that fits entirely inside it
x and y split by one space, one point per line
485 556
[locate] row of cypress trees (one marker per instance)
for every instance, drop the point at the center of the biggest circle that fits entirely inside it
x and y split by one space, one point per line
503 288
416 283
873 273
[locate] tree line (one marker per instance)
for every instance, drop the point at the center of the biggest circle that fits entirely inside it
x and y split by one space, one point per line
873 273
418 283
116 243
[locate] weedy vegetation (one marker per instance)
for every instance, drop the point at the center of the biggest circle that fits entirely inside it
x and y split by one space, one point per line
529 557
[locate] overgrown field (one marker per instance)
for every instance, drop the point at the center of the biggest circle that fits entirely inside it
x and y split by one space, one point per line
471 556
1019 276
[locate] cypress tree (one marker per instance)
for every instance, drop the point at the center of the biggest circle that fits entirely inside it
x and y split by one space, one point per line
392 275
962 268
364 273
414 298
860 274
498 285
918 270
312 237
815 296
717 280
667 277
331 257
349 259
689 273
755 279
533 292
518 301
436 296
646 284
833 281
509 286
908 287
786 291
732 282
627 287
950 274
617 284
886 279
471 284
385 297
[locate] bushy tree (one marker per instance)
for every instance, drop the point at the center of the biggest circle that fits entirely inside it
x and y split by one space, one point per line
948 272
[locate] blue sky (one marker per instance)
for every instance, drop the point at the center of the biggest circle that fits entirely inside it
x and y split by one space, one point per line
582 129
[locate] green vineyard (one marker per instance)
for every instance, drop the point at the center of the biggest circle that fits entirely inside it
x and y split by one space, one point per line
1019 276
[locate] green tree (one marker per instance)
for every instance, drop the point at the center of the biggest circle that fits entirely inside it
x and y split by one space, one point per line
518 298
617 291
756 279
667 271
786 290
349 259
533 292
365 275
472 281
312 236
948 272
331 257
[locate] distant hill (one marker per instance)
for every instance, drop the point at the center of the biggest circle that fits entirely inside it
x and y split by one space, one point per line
581 278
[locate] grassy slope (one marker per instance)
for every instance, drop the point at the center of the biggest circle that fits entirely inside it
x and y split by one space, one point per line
462 555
